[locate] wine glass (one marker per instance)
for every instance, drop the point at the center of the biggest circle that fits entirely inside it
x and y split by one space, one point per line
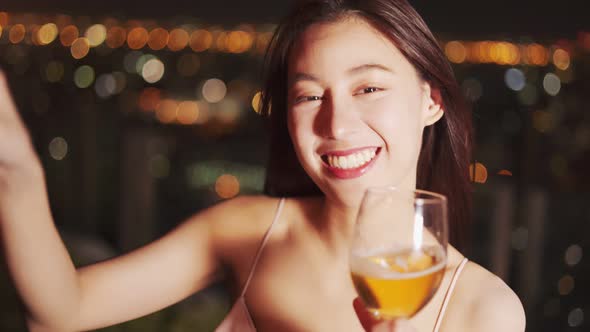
399 250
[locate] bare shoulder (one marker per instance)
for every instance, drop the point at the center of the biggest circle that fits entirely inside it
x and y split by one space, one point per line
483 302
239 223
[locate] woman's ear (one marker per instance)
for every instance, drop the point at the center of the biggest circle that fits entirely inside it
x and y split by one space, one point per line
433 106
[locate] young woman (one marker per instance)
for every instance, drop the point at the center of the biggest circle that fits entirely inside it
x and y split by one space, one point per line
359 94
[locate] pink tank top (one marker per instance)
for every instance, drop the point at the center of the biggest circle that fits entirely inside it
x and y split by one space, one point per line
239 320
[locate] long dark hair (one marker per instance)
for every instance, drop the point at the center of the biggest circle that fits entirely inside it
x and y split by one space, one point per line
446 147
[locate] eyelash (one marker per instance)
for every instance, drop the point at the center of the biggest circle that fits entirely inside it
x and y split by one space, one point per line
366 90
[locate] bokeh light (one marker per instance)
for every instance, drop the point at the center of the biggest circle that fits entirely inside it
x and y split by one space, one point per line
201 40
106 85
561 59
239 41
214 90
158 39
116 37
204 112
96 34
153 70
472 89
149 99
58 148
188 112
575 318
262 41
227 186
220 40
256 102
54 71
137 38
515 79
537 54
33 31
47 33
178 40
4 18
68 35
478 173
167 110
565 285
552 84
141 61
84 76
80 48
573 255
16 33
456 52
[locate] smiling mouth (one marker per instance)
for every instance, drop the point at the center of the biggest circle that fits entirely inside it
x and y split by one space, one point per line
355 160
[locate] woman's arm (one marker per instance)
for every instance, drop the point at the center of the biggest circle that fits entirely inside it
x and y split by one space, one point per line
56 295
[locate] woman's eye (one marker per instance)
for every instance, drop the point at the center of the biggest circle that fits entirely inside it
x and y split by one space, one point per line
307 98
370 90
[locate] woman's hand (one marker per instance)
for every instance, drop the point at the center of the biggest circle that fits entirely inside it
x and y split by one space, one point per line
371 324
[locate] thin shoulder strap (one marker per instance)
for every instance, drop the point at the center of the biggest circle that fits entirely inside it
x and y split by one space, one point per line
447 298
262 244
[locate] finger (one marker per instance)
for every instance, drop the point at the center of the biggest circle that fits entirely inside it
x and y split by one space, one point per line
367 320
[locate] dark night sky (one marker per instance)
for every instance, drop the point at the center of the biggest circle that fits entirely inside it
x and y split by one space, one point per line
460 18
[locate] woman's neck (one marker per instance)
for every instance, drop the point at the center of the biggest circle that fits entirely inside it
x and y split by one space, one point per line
334 224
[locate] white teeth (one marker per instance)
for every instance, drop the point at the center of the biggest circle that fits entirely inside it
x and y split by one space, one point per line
354 160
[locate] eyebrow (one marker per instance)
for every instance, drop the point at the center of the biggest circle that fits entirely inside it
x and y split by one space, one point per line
352 71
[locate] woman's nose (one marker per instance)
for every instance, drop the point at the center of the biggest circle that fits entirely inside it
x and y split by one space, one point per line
337 118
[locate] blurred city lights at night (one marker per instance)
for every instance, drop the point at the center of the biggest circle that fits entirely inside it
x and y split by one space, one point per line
68 35
58 148
96 34
214 90
80 48
227 186
153 70
84 76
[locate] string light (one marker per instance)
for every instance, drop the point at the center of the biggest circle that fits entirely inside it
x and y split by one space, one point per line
158 39
116 37
80 48
96 34
16 33
178 40
47 34
68 35
137 38
201 40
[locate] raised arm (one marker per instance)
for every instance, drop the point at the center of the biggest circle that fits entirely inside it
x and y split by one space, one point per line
56 295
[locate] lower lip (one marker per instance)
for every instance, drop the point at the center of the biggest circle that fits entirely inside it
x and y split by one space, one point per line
352 172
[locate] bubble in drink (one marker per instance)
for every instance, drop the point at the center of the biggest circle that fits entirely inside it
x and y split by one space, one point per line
396 284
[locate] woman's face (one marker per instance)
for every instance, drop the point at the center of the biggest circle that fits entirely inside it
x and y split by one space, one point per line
357 109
